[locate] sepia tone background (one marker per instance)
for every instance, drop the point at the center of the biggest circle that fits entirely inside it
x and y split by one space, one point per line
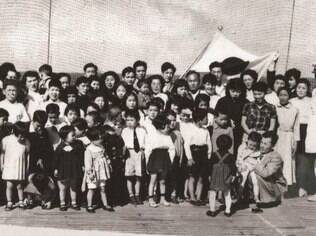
113 34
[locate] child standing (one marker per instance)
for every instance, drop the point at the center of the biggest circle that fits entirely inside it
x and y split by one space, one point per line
200 147
160 153
134 139
14 162
222 173
68 165
97 168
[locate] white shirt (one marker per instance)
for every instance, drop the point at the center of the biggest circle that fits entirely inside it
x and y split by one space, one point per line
200 137
186 132
62 106
17 111
249 95
304 106
128 137
194 95
221 90
35 102
160 141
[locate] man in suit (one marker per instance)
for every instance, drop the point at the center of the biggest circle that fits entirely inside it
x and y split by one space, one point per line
268 170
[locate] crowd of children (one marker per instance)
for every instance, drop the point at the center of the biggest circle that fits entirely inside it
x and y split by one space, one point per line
157 139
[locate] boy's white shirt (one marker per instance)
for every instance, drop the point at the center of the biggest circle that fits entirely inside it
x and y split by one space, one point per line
17 111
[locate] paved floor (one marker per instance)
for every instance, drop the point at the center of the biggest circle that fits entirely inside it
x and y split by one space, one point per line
293 217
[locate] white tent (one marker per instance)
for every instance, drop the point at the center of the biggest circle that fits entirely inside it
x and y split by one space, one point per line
221 48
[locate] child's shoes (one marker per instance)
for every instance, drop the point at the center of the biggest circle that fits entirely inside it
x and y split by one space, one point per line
108 208
9 206
75 207
63 207
165 203
211 213
90 209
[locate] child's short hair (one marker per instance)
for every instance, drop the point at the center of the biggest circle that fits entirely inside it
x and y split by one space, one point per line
272 135
215 64
222 110
253 74
30 73
201 97
140 63
54 83
20 128
82 80
199 115
40 117
94 133
94 105
153 104
184 106
141 82
283 89
260 87
209 78
133 114
10 82
224 142
159 101
167 65
255 137
47 69
72 107
160 121
65 130
52 108
71 90
127 70
80 124
90 64
4 113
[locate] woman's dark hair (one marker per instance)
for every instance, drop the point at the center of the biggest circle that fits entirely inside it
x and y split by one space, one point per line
178 84
307 83
109 73
156 77
236 84
30 73
253 74
65 130
62 74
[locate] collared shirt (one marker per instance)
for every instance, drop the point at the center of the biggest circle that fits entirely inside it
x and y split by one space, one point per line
186 132
259 118
128 137
194 95
17 111
34 103
200 137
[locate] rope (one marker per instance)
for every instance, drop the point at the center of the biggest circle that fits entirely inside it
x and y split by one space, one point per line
290 36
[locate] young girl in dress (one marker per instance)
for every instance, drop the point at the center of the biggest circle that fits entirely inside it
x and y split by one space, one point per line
97 169
68 166
15 162
223 170
159 153
131 104
289 134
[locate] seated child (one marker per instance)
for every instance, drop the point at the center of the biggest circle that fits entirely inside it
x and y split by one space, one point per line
247 156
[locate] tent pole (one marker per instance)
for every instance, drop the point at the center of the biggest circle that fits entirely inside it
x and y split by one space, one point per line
290 36
49 31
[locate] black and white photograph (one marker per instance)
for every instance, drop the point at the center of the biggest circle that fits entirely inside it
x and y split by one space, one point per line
157 117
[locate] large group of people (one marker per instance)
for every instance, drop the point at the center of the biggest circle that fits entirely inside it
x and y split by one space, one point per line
157 139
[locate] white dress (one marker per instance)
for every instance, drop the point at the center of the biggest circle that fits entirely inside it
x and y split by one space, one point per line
16 158
288 133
